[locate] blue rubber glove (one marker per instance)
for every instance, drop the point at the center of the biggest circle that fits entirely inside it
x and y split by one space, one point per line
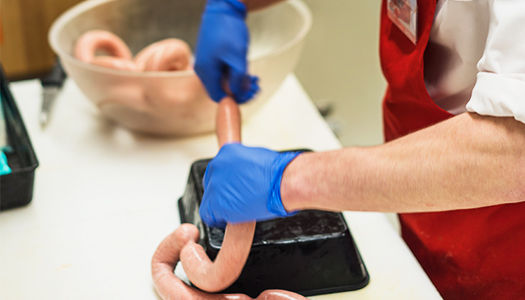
244 184
222 50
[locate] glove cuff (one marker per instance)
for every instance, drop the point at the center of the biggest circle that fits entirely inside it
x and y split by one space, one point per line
275 203
231 7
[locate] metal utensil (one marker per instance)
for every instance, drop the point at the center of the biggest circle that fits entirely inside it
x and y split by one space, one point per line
51 86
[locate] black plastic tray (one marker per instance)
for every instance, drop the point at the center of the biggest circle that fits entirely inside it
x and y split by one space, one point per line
16 188
311 253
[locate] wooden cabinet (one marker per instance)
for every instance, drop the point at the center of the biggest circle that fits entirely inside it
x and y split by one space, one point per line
24 50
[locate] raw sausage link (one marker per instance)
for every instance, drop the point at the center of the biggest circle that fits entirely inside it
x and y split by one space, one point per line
163 264
92 41
165 55
205 274
218 275
115 63
169 287
221 273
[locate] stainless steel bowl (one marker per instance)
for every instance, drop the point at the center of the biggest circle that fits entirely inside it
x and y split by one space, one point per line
173 103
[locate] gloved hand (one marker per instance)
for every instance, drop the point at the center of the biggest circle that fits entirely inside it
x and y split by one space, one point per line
244 184
222 50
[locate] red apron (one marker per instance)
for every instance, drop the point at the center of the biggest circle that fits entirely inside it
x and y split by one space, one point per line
468 254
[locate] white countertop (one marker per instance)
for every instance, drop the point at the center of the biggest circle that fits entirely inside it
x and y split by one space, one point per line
104 198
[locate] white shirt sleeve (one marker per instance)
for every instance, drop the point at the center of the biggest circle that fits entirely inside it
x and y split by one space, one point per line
500 86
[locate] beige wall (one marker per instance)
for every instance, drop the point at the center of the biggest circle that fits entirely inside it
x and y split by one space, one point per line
340 65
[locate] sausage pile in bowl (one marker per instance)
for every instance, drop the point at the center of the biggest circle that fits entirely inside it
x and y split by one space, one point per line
172 102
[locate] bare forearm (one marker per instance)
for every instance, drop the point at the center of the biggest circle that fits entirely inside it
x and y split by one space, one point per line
253 5
465 162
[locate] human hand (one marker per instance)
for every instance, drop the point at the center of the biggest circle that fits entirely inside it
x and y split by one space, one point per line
222 49
243 184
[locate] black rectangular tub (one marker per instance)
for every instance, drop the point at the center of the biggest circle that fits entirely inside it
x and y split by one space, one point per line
310 253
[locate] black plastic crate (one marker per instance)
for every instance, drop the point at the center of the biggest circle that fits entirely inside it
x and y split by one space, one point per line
311 253
16 188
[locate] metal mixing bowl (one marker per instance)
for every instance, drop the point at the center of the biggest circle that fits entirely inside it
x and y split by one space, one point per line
173 103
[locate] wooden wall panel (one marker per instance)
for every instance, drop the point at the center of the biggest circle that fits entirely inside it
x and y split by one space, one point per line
24 50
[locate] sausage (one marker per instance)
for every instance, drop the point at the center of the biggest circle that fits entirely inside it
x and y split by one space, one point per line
221 273
170 287
165 55
228 126
218 275
205 274
279 295
115 63
92 41
163 264
118 55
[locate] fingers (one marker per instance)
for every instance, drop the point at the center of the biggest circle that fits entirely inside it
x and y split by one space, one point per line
222 50
211 78
209 218
242 85
207 213
279 295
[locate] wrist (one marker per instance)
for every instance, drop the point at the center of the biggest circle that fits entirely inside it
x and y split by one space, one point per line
279 164
291 185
